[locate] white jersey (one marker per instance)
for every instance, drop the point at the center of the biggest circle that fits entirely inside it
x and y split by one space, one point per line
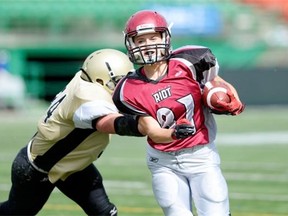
69 123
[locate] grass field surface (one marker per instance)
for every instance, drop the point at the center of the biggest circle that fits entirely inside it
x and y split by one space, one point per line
253 149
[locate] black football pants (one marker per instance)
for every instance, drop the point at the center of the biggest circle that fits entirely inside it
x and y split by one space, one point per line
31 189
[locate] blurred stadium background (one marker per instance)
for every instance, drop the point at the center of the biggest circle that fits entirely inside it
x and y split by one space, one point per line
44 42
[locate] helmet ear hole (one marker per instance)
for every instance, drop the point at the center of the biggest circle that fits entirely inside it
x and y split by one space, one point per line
100 81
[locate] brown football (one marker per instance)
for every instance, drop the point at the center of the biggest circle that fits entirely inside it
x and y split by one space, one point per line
214 91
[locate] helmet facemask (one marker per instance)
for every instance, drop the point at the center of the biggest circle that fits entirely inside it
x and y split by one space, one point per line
111 84
148 54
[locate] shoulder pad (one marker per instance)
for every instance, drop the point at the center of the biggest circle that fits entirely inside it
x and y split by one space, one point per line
133 74
196 55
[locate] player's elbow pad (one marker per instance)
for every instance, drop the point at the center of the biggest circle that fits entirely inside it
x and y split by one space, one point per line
127 125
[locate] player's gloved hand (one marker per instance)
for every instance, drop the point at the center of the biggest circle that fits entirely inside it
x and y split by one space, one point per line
183 129
234 107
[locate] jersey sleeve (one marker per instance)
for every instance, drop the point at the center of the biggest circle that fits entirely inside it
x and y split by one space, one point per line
123 98
90 111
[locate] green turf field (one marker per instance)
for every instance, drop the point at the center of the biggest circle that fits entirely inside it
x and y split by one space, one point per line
253 148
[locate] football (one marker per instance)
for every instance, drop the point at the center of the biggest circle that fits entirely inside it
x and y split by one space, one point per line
213 92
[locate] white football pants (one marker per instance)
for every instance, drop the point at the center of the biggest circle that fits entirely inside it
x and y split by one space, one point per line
187 175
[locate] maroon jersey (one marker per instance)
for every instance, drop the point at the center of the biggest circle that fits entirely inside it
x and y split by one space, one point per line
175 96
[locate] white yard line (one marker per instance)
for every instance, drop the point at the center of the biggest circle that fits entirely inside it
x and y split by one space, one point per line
253 138
267 166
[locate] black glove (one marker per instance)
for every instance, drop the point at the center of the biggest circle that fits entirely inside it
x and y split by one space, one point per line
183 129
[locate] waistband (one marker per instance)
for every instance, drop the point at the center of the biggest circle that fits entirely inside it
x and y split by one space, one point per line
31 159
181 151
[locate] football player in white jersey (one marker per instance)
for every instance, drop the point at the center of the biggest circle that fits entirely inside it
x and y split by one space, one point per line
169 89
72 134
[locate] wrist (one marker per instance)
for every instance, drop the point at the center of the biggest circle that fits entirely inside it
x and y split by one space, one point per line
173 134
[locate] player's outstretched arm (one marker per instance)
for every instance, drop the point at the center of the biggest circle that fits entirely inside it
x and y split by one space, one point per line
125 125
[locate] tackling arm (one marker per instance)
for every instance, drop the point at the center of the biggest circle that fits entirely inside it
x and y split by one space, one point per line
116 123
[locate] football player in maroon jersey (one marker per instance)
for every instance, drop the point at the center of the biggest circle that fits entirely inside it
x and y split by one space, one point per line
168 88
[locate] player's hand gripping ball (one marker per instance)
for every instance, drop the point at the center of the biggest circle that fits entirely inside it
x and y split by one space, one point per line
213 93
220 99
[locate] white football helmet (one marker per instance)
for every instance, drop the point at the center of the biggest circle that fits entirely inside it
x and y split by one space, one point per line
144 22
107 67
